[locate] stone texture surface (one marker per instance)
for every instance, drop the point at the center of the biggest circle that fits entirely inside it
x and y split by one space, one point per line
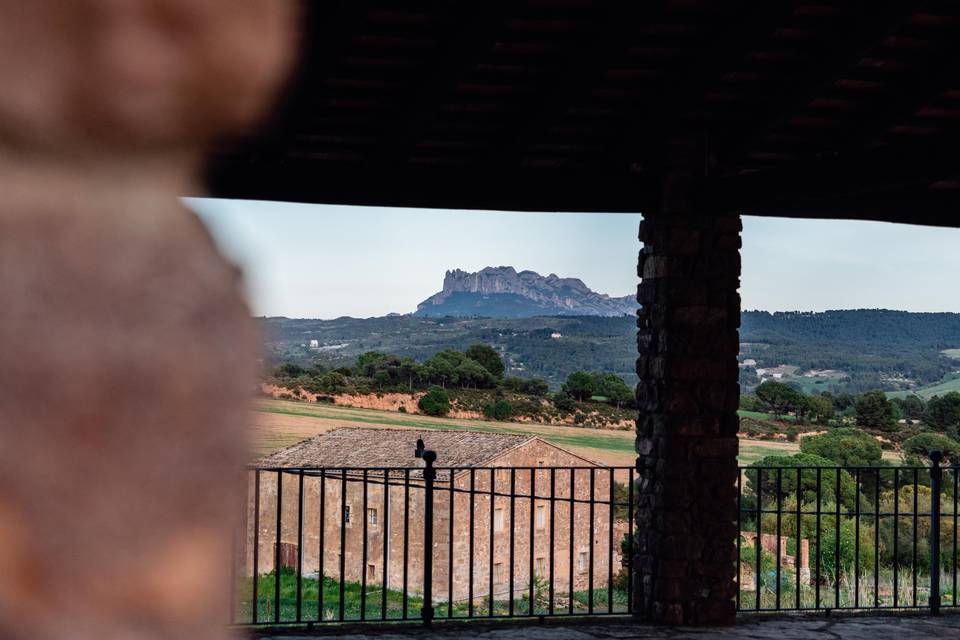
786 628
687 423
128 353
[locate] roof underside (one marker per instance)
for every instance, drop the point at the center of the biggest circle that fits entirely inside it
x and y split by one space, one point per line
820 108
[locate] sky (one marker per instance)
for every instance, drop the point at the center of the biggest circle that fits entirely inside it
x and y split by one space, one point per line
321 261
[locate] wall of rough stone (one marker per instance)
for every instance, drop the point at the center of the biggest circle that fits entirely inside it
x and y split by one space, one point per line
688 396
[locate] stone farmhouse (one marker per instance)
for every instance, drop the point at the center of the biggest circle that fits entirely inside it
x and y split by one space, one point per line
375 526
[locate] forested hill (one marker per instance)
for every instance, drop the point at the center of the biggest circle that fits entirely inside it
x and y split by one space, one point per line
867 348
872 346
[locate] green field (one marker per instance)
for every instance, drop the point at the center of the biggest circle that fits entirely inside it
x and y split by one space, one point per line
281 423
948 384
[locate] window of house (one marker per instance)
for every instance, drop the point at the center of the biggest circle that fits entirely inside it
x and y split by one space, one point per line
371 572
541 519
499 572
541 463
583 562
498 520
372 517
540 568
346 513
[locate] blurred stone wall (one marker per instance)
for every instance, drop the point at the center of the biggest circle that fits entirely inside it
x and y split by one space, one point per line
126 349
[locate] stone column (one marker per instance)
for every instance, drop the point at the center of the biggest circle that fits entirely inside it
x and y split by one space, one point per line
687 425
127 350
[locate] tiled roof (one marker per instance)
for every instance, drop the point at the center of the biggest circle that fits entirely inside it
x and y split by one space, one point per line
378 448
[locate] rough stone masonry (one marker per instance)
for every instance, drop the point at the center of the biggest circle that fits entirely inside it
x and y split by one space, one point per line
127 351
687 424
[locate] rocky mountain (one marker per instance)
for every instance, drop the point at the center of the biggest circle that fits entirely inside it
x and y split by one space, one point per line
503 292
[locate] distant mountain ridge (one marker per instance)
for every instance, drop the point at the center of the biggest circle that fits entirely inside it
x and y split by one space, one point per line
503 292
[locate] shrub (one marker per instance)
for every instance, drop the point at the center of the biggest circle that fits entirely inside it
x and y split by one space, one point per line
499 410
563 402
435 402
402 409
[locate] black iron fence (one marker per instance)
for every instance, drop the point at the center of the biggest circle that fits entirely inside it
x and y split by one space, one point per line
824 538
325 545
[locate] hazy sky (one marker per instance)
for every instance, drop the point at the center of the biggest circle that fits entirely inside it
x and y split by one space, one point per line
313 261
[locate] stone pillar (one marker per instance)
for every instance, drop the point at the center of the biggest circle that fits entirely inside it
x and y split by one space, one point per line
128 353
687 425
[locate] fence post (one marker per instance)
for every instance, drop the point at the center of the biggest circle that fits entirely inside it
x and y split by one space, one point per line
936 475
429 475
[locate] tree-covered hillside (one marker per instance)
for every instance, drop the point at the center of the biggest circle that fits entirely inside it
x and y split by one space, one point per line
869 349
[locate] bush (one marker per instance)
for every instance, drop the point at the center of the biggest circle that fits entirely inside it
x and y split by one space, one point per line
435 402
845 446
402 409
563 402
499 410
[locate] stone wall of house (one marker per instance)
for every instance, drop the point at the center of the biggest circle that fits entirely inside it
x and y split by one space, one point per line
391 520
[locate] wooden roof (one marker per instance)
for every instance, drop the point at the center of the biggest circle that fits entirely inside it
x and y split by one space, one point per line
814 108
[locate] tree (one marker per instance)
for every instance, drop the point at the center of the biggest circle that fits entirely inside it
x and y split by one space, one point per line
580 385
366 362
846 447
766 479
875 411
912 407
499 410
778 397
820 409
488 358
333 382
916 450
435 402
536 387
471 373
943 413
613 388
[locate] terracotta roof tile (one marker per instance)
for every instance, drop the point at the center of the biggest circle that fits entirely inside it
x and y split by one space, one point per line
377 448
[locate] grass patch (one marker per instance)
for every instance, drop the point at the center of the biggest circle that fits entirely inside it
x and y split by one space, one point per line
949 383
373 605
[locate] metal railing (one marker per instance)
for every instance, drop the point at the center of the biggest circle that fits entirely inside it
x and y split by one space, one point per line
333 545
825 538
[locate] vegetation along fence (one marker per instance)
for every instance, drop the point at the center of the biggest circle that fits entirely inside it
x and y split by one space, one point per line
326 545
823 538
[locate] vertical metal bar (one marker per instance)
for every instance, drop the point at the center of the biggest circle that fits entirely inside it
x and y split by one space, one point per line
256 543
779 531
533 533
856 542
953 558
896 537
630 558
493 483
473 507
739 534
936 477
758 543
915 518
276 549
593 497
322 550
385 534
429 475
553 487
364 513
451 545
610 546
234 558
816 587
343 540
406 540
513 531
797 554
573 484
876 541
836 543
300 547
